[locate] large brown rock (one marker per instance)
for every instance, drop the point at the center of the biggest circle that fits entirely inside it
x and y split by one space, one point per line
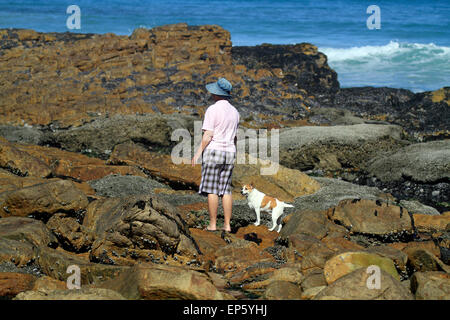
371 217
9 181
43 199
290 274
123 226
314 280
157 165
12 182
253 278
432 285
12 283
122 62
347 262
353 286
208 242
423 260
310 293
97 75
429 245
313 252
77 166
435 223
54 263
20 237
80 294
339 244
30 230
46 283
307 222
239 255
282 290
264 237
159 282
21 253
71 235
20 162
285 183
400 258
315 238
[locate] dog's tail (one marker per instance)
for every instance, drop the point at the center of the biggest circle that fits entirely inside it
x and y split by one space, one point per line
287 205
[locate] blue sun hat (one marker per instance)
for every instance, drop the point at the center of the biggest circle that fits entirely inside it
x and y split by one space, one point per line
221 88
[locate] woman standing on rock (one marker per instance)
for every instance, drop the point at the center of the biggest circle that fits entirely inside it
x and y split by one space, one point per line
218 151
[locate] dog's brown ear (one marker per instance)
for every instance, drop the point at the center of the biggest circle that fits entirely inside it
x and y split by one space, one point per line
251 184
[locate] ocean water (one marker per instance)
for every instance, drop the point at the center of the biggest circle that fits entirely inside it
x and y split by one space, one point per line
410 50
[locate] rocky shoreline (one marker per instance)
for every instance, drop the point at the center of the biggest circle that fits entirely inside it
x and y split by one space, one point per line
86 177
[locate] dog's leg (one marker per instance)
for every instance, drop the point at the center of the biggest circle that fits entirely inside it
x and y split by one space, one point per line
258 216
276 213
274 221
274 224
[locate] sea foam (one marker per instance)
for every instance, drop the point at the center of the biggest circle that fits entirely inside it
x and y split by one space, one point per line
392 50
415 66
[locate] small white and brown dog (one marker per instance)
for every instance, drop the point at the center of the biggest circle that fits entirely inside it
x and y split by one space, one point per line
261 202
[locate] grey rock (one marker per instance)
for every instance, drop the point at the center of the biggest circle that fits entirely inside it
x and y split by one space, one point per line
244 216
417 113
120 186
99 137
332 148
22 134
332 191
333 116
32 268
414 206
352 135
422 162
179 199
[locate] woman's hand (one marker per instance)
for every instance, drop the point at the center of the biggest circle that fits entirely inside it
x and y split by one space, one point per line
206 139
194 159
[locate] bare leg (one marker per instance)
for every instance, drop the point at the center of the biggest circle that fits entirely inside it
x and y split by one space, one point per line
213 204
227 202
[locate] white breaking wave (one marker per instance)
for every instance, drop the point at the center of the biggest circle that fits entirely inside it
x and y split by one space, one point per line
392 50
415 66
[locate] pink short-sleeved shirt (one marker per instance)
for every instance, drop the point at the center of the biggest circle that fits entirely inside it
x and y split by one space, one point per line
223 119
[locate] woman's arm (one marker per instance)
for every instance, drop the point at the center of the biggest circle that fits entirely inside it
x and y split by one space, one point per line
206 139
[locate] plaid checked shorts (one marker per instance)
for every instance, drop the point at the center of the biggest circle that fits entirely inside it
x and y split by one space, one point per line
217 167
